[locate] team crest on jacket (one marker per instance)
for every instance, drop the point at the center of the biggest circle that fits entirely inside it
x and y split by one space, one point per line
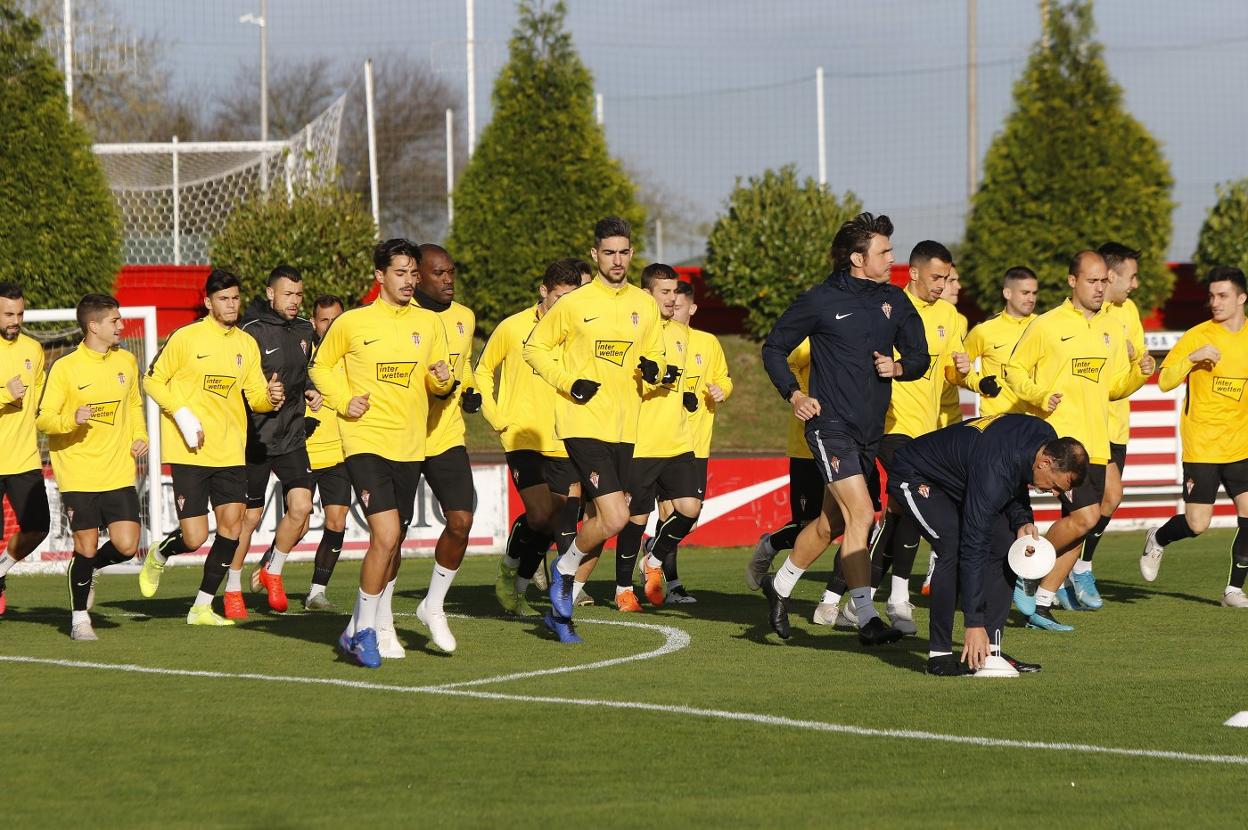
636 322
30 366
416 337
940 332
121 378
697 358
460 327
887 309
680 347
303 344
238 358
924 490
1106 338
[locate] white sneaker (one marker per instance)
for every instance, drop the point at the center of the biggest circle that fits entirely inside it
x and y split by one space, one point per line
439 631
1234 598
388 644
539 576
826 613
848 620
760 562
901 614
1150 560
82 631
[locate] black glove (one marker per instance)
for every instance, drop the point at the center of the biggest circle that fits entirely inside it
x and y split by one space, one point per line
583 390
669 376
691 402
989 388
309 425
649 370
470 400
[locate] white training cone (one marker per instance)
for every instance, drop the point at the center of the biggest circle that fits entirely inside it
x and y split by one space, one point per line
1032 558
996 666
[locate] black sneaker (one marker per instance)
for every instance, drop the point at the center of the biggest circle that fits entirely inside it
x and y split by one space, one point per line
778 607
876 633
1020 666
947 665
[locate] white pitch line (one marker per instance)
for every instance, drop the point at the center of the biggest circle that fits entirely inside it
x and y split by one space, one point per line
692 711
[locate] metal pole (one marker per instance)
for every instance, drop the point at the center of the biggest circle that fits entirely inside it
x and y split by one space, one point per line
177 219
972 109
155 493
1044 23
823 126
68 15
470 49
598 114
264 70
658 240
450 167
372 145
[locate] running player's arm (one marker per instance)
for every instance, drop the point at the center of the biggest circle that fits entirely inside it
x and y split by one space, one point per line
161 383
491 357
911 344
1127 377
331 383
138 418
1026 355
54 417
439 353
955 378
719 369
652 348
541 347
1177 365
255 384
797 323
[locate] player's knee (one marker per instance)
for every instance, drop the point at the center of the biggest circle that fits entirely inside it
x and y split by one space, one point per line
195 538
458 524
299 511
613 519
1199 524
689 507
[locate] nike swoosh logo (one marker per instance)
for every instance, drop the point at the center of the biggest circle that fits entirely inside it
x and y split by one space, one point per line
1000 346
590 319
569 533
843 316
270 351
1064 339
82 584
84 386
201 356
911 547
371 342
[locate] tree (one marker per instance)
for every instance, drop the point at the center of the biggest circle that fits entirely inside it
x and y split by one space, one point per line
59 235
1070 170
1224 235
323 231
774 243
541 176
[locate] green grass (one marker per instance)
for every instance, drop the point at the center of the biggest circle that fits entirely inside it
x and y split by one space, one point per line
1161 667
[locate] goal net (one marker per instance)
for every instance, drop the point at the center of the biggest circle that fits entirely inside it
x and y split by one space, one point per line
173 197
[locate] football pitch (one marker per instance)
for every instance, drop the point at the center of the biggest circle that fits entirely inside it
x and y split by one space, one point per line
686 715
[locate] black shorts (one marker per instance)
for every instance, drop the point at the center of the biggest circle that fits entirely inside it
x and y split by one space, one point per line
601 467
560 474
700 466
93 511
1091 492
805 490
381 484
839 456
450 478
1118 455
666 478
29 499
334 484
194 486
889 445
527 467
1200 481
292 469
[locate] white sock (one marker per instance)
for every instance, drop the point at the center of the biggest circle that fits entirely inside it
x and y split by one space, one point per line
275 564
651 562
786 577
6 562
1044 598
620 589
512 562
77 617
159 557
522 585
204 598
439 583
900 592
864 608
570 561
832 597
233 580
577 588
1082 567
385 614
366 611
316 589
932 654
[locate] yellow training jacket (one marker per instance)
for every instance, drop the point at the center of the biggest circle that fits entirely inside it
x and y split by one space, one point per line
93 457
521 407
950 403
663 428
597 333
799 364
1215 410
915 405
208 368
446 416
22 357
704 366
991 343
1128 316
324 442
385 352
1086 361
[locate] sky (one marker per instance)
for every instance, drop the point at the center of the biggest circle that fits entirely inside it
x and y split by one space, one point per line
700 92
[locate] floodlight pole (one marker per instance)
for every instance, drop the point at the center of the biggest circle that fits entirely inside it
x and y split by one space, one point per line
823 128
598 109
68 14
372 145
972 108
450 167
263 22
470 55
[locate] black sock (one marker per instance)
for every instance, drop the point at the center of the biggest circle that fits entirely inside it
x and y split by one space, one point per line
905 545
785 538
109 555
80 570
173 544
569 515
532 560
667 538
527 545
627 543
268 555
1175 529
881 550
836 582
1093 539
327 553
1239 555
220 555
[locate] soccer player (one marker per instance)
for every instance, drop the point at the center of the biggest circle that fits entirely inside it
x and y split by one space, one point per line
992 341
329 469
950 403
663 457
446 468
92 413
378 367
1067 367
854 319
598 347
967 488
1212 360
199 380
21 471
1123 265
276 441
520 408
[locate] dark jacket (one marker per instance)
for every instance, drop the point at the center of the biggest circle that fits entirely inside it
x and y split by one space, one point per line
848 319
984 466
285 348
